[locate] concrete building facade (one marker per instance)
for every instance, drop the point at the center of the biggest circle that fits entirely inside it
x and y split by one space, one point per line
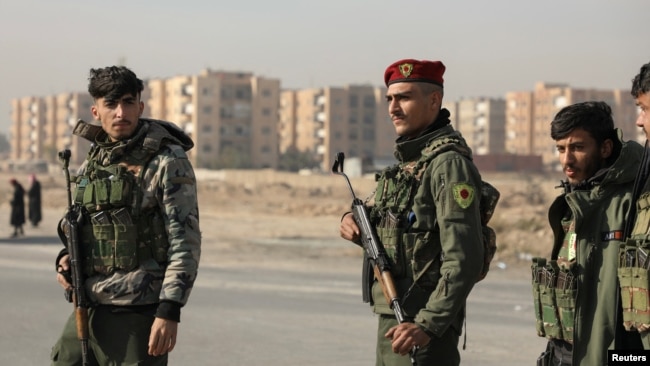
529 114
231 116
325 121
42 126
239 120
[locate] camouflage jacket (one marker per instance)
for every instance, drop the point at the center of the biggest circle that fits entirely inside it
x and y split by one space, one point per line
169 187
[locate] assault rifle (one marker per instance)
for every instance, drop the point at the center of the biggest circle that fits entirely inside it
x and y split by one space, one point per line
78 294
375 251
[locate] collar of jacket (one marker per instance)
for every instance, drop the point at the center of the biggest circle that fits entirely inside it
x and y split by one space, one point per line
115 150
411 149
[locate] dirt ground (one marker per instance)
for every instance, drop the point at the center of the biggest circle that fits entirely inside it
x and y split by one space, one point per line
299 215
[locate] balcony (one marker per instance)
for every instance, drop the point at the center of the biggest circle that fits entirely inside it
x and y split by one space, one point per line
188 109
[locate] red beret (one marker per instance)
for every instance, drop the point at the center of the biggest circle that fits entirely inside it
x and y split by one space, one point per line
410 70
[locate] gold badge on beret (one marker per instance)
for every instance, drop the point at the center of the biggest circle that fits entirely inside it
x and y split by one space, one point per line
406 69
463 194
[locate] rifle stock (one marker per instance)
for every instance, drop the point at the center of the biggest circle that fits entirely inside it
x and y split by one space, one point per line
374 250
71 231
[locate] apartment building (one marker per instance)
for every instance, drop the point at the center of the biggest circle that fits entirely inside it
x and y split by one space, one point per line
529 114
481 121
42 126
231 116
239 120
518 124
324 121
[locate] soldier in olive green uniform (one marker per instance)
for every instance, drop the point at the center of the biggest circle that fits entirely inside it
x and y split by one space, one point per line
426 213
140 234
575 291
634 276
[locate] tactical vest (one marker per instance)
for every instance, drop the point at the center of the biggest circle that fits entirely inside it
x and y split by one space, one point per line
393 218
634 269
115 233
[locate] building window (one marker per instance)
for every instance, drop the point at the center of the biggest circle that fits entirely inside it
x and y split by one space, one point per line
354 101
369 101
243 92
226 112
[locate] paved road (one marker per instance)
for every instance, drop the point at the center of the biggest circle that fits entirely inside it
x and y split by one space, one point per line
247 316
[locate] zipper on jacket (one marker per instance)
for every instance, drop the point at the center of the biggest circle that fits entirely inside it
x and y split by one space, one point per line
442 288
442 188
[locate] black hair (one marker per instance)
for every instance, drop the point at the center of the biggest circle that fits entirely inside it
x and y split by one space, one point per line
593 117
113 82
641 82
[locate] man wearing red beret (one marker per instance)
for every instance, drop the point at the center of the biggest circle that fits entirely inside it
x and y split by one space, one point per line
426 214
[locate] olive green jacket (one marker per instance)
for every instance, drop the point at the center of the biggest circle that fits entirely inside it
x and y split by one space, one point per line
443 247
599 212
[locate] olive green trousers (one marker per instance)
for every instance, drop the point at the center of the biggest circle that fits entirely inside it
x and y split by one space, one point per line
441 351
116 338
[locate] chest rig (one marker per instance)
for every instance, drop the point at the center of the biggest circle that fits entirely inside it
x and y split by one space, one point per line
412 253
634 268
116 233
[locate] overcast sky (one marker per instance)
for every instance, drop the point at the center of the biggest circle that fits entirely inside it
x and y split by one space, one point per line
490 47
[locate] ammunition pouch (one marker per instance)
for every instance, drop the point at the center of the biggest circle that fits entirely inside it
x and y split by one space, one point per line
554 292
634 282
391 238
411 255
112 188
537 267
113 241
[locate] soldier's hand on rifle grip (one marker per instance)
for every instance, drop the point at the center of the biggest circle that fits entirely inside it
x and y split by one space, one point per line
63 276
406 336
349 229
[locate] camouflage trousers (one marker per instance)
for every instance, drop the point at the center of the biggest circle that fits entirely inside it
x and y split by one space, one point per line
116 338
441 351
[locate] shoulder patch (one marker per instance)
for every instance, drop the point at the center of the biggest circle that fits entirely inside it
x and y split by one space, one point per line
463 194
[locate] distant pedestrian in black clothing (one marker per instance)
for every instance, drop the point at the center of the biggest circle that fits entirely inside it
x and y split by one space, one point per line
34 196
17 208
